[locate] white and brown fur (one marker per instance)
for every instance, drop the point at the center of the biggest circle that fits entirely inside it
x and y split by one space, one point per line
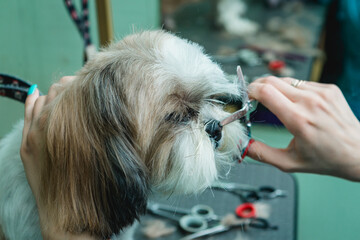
131 124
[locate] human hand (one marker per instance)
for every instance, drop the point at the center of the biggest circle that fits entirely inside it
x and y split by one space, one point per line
32 145
326 132
32 153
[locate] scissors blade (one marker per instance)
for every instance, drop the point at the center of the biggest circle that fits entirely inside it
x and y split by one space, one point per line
209 231
277 193
231 186
242 83
248 108
153 209
234 116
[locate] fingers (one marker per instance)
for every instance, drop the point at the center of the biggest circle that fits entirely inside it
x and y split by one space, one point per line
28 116
277 157
293 105
276 102
283 85
56 88
29 105
327 93
67 79
38 106
34 104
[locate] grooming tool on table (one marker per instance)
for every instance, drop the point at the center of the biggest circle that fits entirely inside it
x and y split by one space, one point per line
249 193
14 88
246 210
238 223
192 220
197 218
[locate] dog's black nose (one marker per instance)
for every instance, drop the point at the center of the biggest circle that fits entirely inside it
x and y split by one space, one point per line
213 128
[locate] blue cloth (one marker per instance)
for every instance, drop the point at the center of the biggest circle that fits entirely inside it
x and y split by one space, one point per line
349 82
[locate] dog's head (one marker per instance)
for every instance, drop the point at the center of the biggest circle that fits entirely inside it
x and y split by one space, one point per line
133 120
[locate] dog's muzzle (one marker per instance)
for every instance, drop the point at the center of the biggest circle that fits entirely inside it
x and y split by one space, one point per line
214 130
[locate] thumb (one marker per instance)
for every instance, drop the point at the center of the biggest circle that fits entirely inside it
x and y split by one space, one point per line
279 158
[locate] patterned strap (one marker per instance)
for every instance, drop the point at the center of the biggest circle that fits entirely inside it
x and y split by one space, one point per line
82 22
13 87
86 23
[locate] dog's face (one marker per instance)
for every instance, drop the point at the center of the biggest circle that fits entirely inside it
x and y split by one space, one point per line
134 120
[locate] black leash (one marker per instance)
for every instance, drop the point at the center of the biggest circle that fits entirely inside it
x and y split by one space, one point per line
14 87
82 23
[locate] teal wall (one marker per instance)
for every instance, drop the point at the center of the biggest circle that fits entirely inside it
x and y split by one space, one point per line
40 43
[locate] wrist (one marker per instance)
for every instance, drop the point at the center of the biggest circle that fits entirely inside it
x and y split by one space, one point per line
352 156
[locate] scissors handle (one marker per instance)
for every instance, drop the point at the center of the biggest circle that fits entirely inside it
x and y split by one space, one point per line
217 229
268 192
156 211
252 105
191 221
264 192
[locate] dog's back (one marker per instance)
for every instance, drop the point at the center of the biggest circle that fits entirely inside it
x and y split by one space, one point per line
18 213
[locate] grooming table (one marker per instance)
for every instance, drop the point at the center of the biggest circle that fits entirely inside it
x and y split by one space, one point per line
283 211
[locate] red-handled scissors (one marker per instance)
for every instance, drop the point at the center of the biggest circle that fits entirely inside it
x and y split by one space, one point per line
246 210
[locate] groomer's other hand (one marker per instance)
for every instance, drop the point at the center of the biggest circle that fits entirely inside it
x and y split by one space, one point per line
326 132
32 144
32 154
32 141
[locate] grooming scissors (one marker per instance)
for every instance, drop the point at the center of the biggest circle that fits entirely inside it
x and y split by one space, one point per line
247 108
191 220
214 127
248 105
242 223
248 193
196 220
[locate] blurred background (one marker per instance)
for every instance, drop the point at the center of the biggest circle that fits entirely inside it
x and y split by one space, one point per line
310 40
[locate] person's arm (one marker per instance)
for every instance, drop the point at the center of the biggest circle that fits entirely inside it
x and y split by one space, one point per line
31 153
326 132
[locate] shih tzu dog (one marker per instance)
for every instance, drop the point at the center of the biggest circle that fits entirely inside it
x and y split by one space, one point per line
133 122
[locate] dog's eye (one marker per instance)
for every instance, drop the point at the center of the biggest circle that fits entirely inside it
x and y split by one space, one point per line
181 117
177 118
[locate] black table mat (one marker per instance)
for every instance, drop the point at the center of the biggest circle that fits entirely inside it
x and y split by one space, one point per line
283 211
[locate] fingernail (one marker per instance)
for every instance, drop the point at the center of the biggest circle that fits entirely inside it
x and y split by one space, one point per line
32 89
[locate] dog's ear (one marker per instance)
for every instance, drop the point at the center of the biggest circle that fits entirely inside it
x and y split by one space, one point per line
93 178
